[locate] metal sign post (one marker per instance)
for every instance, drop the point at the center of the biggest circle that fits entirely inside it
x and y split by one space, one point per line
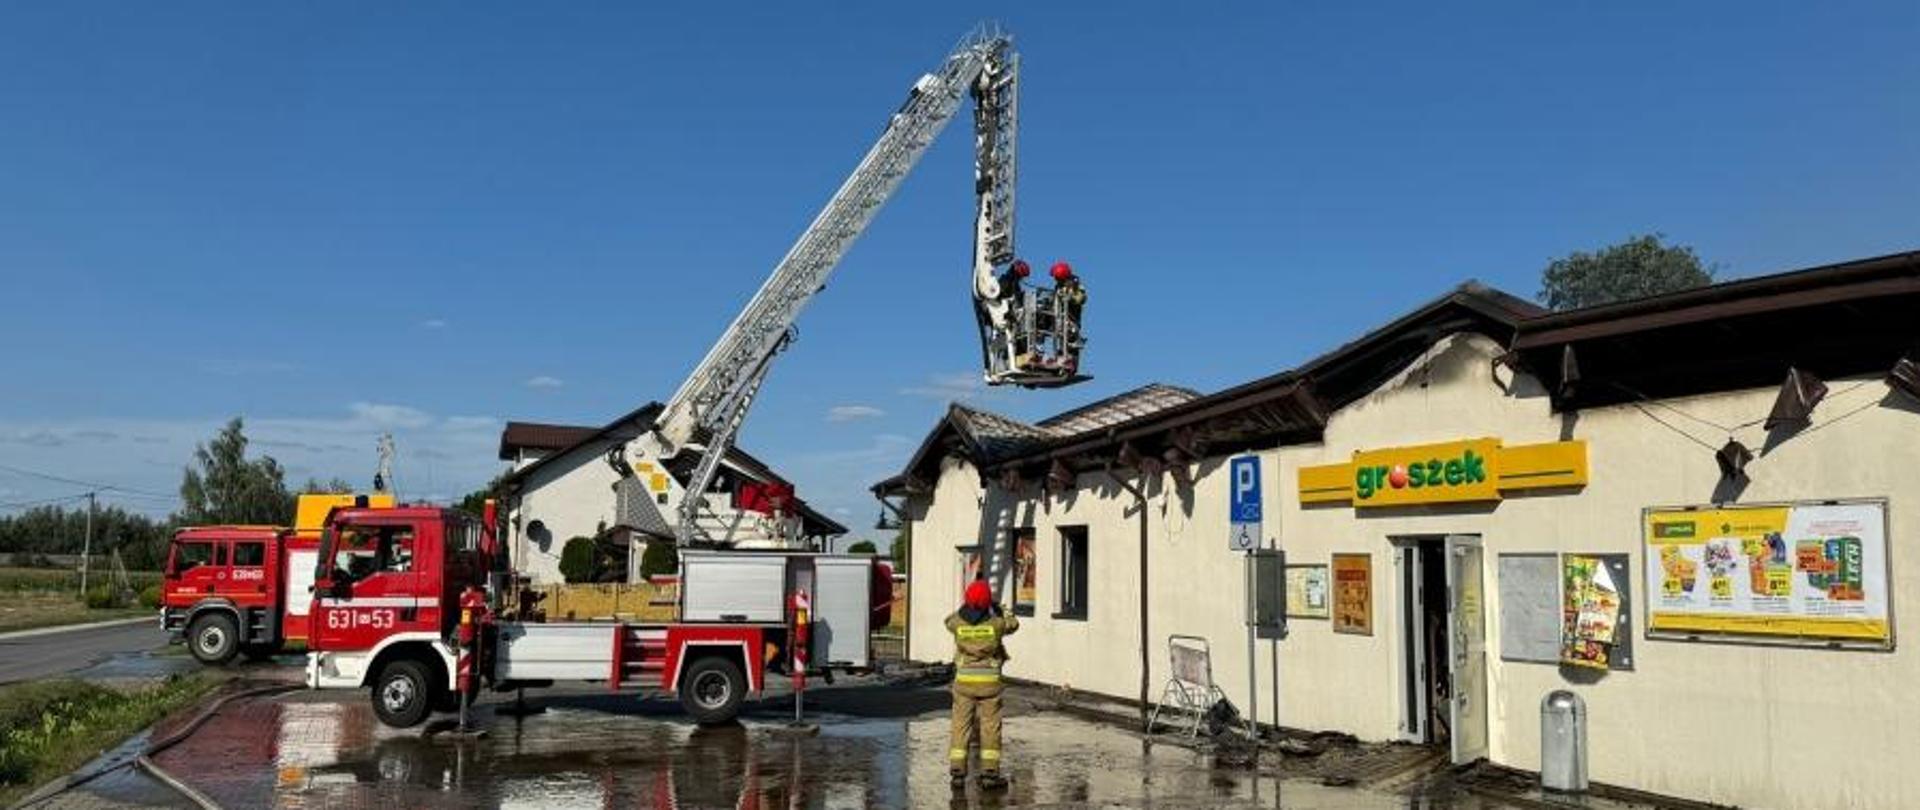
1244 512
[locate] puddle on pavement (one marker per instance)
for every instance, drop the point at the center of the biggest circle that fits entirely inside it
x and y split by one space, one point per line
305 751
143 665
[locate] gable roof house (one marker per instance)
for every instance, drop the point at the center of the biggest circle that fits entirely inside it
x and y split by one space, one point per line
1717 483
560 486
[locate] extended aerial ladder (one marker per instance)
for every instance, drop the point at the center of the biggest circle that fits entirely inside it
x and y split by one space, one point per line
1029 337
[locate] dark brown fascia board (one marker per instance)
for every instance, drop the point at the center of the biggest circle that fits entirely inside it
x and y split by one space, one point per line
1894 273
1533 337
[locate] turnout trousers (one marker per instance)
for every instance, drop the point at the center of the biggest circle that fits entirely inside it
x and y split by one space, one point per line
976 718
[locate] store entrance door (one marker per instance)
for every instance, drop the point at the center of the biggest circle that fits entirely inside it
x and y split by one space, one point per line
1443 643
1467 631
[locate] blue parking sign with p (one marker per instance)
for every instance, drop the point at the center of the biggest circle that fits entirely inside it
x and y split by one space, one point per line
1244 502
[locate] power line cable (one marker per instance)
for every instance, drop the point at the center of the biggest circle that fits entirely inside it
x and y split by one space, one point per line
42 502
77 482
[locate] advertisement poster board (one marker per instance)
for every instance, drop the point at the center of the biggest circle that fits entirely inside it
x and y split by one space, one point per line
1596 611
1309 594
1025 573
1353 594
1784 573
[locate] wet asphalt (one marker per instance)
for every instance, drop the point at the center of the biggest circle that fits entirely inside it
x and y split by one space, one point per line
596 750
83 652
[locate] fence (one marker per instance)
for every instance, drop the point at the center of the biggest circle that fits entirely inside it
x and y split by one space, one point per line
630 602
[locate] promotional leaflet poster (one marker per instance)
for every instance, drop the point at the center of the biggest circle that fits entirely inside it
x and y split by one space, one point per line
1307 592
1805 572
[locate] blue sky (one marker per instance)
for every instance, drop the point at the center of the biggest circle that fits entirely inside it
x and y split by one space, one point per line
428 218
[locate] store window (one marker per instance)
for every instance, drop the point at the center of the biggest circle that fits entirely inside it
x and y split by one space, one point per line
1073 573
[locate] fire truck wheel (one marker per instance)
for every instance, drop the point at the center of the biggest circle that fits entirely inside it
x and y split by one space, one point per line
712 690
403 695
213 638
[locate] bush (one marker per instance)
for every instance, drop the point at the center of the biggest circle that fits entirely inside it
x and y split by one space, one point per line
576 560
863 547
102 597
660 558
150 596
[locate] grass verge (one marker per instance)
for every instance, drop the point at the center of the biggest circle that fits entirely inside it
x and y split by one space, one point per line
49 728
25 610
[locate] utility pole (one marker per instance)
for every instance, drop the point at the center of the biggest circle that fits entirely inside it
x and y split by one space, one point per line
86 550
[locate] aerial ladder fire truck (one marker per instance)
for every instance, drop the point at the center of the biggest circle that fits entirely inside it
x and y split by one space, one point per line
1029 337
415 602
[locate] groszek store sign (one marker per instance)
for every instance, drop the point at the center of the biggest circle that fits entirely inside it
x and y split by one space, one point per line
1449 472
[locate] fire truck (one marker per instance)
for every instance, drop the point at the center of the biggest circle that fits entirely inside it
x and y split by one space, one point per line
247 590
412 602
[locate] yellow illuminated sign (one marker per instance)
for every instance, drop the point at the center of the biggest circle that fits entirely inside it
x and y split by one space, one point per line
1448 472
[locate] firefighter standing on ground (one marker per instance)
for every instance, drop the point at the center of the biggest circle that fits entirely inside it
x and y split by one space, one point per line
978 628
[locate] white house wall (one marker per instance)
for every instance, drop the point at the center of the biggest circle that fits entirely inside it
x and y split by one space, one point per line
1740 724
572 498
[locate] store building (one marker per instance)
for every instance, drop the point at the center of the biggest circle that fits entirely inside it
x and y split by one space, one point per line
1684 509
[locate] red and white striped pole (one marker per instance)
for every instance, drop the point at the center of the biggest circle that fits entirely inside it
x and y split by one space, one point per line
802 615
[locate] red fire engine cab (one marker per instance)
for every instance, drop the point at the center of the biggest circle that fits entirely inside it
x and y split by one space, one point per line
408 603
232 590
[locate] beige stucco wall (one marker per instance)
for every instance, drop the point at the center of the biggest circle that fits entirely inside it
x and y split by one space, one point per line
1741 724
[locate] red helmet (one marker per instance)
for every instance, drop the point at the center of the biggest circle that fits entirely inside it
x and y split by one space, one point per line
1020 268
979 596
1062 271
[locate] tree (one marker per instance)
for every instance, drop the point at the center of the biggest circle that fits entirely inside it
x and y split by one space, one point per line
863 547
476 501
659 559
577 560
337 486
223 486
42 530
1636 268
902 548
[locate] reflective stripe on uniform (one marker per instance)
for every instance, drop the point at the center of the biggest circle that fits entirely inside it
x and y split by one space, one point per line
975 632
977 675
990 754
961 754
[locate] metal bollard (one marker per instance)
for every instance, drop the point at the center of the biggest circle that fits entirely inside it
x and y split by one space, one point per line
1563 742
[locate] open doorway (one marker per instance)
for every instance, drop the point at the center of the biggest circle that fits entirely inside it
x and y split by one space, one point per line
1443 643
1425 684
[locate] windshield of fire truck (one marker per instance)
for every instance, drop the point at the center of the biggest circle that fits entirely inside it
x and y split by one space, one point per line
353 553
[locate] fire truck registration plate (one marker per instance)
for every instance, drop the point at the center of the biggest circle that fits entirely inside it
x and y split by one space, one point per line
350 619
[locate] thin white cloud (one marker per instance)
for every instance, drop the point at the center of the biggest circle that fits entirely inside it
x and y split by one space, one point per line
389 416
433 323
544 381
849 413
437 455
951 386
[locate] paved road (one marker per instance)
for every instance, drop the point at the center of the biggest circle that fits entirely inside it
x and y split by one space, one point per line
25 659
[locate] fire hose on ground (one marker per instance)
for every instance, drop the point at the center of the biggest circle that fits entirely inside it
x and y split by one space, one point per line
144 761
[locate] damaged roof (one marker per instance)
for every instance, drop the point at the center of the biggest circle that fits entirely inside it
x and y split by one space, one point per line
1147 399
1837 320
